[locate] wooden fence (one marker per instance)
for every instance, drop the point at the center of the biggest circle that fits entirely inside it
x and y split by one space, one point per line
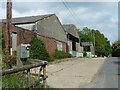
41 77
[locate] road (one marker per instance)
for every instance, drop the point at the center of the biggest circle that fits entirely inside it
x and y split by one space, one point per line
108 75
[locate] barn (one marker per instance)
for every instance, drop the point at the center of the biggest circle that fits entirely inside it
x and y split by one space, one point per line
73 40
46 27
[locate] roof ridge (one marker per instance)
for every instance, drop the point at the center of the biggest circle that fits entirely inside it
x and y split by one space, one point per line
33 16
28 19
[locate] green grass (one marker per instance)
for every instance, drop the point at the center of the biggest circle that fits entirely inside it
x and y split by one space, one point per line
14 80
18 80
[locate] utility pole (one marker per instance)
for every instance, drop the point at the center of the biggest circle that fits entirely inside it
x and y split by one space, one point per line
8 27
94 42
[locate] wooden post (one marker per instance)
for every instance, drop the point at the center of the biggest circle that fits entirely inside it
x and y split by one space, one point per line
29 84
8 27
44 73
19 63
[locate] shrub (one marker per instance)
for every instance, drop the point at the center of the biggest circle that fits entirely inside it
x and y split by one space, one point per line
61 54
38 50
8 62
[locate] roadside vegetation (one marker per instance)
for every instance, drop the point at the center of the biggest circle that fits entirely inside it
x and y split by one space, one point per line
38 51
102 44
61 55
116 49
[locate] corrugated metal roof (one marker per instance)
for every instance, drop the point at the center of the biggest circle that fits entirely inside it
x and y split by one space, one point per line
71 29
67 26
28 19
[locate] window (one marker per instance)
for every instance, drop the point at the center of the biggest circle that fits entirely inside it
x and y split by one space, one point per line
59 46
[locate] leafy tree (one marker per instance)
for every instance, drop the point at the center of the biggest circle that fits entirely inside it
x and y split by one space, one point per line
116 49
102 44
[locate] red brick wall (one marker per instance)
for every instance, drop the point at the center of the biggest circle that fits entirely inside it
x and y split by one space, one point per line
49 43
25 36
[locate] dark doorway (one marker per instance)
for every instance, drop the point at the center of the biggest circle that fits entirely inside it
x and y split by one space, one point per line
73 46
87 48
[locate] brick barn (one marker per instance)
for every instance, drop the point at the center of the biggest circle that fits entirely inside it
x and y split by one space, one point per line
46 27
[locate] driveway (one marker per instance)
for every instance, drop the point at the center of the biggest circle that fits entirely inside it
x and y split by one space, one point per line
74 73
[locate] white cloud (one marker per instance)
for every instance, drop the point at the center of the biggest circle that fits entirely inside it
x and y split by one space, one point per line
103 20
2 13
31 13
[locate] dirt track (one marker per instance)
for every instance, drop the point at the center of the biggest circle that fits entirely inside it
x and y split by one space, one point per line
75 73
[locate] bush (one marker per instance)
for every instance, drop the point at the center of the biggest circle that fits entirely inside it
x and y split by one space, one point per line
61 54
8 62
38 50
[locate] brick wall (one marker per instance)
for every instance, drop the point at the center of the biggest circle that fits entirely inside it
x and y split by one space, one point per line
49 43
25 36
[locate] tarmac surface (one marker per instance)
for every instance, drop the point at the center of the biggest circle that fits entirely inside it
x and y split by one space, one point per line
108 75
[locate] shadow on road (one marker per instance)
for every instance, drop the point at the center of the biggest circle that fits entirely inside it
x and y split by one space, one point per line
116 62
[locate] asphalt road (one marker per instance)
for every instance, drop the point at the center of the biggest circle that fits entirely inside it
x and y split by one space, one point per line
108 75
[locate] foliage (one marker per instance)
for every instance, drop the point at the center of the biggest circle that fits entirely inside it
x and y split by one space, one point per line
116 49
18 80
84 54
14 80
26 63
8 62
102 44
38 50
2 41
61 54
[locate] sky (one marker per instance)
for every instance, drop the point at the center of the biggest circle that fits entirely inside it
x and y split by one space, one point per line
102 16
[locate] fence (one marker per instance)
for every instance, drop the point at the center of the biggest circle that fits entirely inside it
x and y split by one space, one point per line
41 76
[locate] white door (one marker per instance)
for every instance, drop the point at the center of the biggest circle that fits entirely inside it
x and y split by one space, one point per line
14 41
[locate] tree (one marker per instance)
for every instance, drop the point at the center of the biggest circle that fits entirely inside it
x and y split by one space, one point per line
102 44
116 49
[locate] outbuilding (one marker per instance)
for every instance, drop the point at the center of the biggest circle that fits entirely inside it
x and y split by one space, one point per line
73 40
46 27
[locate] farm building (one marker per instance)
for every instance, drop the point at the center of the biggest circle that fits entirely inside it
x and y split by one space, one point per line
73 40
88 47
46 27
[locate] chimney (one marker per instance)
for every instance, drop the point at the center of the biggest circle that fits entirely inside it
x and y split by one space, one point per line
8 27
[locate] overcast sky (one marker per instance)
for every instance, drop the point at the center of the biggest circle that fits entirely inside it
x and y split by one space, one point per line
102 16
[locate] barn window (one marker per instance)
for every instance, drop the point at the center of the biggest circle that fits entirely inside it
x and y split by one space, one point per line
59 46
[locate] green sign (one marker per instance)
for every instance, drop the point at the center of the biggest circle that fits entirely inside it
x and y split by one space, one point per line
24 51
